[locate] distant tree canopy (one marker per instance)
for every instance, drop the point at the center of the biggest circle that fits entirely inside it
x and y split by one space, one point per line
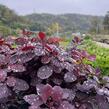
4 31
54 29
68 22
95 28
9 21
37 27
8 16
47 22
106 23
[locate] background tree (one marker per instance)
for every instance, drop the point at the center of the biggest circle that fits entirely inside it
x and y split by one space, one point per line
5 31
106 23
95 25
37 27
54 29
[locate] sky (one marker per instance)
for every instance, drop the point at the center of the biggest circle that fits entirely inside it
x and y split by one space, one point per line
90 7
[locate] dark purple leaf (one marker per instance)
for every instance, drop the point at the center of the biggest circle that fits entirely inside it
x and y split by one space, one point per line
21 85
39 51
11 81
14 58
45 72
16 68
2 59
33 100
45 59
106 78
4 91
87 85
34 107
66 105
57 93
68 66
57 69
57 81
3 75
25 57
69 94
70 77
44 92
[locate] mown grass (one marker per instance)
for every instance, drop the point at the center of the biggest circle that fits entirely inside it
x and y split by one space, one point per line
102 54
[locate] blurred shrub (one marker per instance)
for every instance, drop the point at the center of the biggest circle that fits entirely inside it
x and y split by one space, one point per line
5 30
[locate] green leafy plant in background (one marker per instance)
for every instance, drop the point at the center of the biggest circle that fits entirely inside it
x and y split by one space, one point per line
102 55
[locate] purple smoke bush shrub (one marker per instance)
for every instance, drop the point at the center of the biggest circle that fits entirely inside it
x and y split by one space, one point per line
39 74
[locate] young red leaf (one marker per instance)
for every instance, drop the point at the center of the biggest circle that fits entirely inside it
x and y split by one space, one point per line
26 48
42 35
3 75
2 41
48 48
34 39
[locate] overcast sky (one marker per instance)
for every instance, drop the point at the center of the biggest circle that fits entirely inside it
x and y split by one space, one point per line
93 7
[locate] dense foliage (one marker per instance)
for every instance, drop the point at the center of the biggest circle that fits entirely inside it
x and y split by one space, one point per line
38 74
